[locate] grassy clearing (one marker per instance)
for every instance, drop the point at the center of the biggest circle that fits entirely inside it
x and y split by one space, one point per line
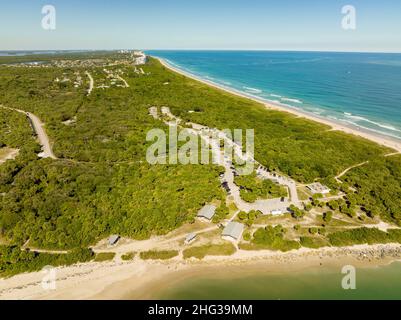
226 249
104 256
158 255
314 242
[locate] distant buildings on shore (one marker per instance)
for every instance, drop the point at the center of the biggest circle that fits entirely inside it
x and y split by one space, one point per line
139 58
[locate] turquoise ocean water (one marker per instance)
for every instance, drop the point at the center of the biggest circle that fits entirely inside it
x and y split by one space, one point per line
359 89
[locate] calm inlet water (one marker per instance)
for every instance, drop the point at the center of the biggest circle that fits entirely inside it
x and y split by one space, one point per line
362 89
323 283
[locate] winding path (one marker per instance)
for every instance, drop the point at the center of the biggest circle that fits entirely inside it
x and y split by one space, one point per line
348 169
91 82
361 164
38 127
122 80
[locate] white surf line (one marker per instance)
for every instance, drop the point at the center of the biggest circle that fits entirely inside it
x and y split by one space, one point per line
38 127
271 105
91 82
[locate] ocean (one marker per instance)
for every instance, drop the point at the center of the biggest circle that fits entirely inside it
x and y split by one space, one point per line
358 89
317 283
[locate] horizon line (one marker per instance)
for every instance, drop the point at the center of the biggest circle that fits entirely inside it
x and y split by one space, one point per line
204 49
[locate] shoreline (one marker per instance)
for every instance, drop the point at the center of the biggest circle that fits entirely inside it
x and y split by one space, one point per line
146 279
349 129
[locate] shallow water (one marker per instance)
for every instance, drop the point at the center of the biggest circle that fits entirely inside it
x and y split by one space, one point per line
318 283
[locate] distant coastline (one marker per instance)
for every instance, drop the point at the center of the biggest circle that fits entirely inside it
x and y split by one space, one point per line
384 140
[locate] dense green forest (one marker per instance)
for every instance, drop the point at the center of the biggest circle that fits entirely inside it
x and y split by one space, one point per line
378 186
13 260
253 188
101 184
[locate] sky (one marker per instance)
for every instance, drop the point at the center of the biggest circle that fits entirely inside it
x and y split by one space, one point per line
202 24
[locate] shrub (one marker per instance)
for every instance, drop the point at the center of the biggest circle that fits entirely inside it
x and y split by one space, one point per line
358 236
200 252
128 256
104 256
158 255
313 242
273 238
327 216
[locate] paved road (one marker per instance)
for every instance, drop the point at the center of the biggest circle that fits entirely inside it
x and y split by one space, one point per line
289 183
38 126
44 141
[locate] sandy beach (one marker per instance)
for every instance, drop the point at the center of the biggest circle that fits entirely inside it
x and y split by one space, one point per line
380 139
139 279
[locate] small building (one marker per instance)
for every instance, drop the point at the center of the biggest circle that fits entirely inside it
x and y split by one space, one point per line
190 238
207 212
113 239
317 187
233 231
276 212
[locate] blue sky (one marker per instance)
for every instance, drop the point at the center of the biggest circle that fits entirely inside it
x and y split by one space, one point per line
206 24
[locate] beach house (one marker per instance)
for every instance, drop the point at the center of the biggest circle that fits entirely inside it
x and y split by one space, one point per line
233 231
191 237
207 213
113 239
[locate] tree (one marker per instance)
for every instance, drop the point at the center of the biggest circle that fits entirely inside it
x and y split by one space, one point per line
313 230
333 204
297 213
247 236
242 215
327 216
308 207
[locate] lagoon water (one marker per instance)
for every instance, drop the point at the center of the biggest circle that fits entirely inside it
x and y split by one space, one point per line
319 283
361 89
